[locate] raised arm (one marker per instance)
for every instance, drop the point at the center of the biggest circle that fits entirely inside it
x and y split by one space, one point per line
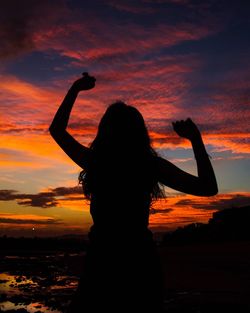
170 175
77 152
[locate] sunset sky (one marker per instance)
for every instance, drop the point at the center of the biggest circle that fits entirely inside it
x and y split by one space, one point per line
172 59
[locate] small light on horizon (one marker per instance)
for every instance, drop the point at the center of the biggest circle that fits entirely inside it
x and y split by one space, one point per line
33 228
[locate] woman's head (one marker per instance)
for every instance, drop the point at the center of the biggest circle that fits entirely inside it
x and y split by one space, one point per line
122 127
122 145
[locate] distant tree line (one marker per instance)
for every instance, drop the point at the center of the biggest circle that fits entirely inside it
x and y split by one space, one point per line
22 244
226 225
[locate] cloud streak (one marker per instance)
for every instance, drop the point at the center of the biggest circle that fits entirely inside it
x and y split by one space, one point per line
42 199
162 211
19 21
61 194
19 219
219 202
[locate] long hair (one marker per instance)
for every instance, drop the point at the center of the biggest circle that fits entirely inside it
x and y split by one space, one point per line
122 142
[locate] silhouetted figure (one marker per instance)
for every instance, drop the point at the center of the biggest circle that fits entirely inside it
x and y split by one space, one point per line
121 175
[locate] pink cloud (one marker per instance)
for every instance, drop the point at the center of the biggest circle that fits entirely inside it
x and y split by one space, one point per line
159 102
19 21
100 40
190 209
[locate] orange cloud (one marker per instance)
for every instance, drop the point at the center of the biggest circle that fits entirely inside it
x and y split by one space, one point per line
86 40
10 218
235 142
168 213
34 109
185 209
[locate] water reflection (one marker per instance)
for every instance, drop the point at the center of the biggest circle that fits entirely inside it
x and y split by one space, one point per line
32 307
42 283
11 284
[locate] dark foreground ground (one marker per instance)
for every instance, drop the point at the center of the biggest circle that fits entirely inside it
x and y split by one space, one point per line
199 278
207 278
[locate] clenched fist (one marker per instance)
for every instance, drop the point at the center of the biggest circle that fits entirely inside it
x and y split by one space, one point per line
186 129
85 83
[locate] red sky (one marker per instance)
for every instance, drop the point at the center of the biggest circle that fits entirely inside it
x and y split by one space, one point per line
171 59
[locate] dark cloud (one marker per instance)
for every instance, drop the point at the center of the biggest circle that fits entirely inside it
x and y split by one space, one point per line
19 20
83 124
156 211
73 198
50 199
64 191
7 195
17 130
219 202
236 200
42 199
9 220
80 29
134 7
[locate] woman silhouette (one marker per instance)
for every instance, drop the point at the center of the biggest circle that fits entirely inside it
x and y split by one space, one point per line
121 175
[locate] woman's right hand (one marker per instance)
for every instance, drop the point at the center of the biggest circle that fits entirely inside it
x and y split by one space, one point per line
186 129
84 83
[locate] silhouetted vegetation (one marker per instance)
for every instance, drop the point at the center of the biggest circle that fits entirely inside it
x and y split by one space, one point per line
227 225
22 245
